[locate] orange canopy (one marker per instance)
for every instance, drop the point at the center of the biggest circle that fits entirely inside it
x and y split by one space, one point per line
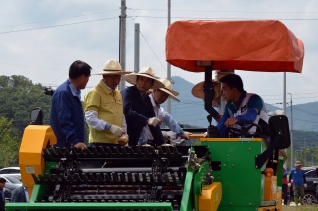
265 45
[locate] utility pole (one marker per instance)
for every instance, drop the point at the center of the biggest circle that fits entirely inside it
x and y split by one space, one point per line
284 94
122 41
284 103
168 65
291 131
136 49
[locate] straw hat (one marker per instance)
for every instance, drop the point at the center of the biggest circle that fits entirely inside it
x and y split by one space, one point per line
144 72
298 163
168 89
197 90
112 67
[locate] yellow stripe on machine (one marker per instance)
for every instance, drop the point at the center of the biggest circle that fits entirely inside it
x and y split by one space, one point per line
230 139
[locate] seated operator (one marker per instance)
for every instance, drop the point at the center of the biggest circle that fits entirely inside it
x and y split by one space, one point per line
241 106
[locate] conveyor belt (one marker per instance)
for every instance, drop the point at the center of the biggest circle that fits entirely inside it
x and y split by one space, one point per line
116 174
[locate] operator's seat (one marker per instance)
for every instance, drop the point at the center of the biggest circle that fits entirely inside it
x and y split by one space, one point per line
279 125
279 139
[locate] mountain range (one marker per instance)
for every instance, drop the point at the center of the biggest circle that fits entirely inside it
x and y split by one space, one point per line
191 109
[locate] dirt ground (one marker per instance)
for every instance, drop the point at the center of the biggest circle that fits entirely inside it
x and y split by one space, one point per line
300 208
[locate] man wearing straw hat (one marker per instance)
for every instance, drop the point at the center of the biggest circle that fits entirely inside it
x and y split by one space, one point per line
299 182
197 91
138 108
104 108
157 97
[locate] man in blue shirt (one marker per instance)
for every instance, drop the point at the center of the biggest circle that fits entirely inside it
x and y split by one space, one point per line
2 198
299 182
241 106
67 116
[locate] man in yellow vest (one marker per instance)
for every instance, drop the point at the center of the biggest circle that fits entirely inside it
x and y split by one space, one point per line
103 108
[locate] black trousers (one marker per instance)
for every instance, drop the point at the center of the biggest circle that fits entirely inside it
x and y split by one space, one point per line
284 190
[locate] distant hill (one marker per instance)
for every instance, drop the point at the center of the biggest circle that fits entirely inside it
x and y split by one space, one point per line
191 110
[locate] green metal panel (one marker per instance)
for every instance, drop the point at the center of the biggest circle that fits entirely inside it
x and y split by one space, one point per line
280 172
199 182
89 206
186 201
242 183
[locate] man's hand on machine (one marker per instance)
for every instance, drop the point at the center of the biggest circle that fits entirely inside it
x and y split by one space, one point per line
185 135
154 121
305 185
289 184
230 122
80 145
117 131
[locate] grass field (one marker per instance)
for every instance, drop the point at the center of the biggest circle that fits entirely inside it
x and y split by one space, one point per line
300 208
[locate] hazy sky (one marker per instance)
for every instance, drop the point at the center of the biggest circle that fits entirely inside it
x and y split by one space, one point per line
40 39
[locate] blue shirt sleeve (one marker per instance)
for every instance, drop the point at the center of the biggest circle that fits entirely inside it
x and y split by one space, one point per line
249 116
172 123
256 102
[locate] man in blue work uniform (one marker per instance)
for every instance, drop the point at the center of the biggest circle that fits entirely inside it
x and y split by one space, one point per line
138 109
241 106
67 115
299 182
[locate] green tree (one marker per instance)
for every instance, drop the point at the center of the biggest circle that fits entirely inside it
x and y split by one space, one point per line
18 97
9 143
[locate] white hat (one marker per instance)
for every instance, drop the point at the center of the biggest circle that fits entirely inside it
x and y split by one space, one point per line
112 67
144 72
168 89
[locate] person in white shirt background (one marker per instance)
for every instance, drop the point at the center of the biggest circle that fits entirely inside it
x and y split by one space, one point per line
157 97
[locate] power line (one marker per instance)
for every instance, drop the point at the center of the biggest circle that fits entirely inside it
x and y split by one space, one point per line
218 11
19 65
21 24
303 120
306 112
218 18
67 24
152 50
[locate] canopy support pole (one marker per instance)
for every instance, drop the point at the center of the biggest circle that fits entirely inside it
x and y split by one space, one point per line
208 90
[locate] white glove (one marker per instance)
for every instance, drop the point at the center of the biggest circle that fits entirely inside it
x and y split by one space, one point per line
185 135
289 184
154 121
305 185
117 131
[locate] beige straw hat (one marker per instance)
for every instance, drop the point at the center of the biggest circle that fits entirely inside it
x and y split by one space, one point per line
298 163
144 72
197 90
168 89
112 67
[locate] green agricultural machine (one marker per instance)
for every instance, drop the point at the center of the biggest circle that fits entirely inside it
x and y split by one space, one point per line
241 173
222 174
